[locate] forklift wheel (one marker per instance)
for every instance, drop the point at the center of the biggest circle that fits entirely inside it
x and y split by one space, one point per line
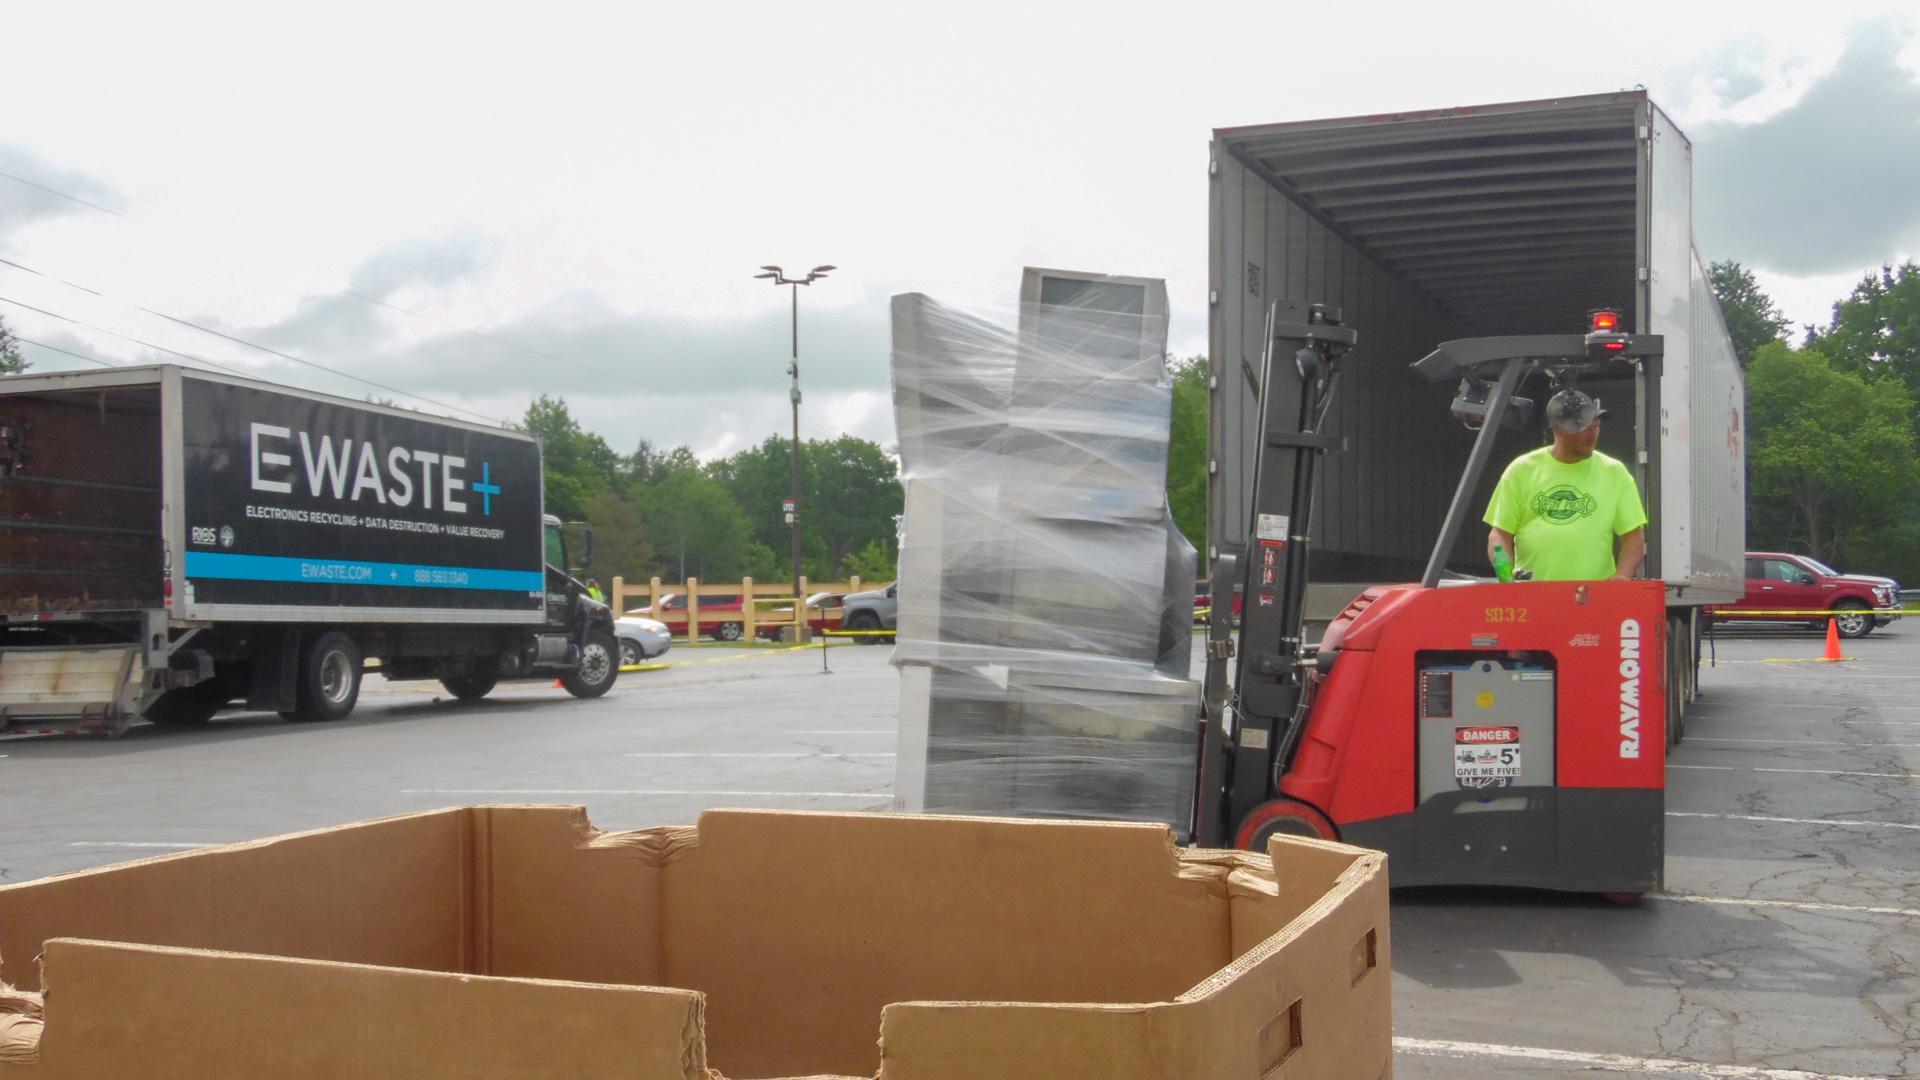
1288 817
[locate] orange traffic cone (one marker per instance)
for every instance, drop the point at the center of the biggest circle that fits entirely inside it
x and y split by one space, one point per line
1833 641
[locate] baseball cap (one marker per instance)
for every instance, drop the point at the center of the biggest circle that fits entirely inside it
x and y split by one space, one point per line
1574 411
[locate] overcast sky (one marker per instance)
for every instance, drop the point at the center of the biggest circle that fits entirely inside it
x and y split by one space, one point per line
479 203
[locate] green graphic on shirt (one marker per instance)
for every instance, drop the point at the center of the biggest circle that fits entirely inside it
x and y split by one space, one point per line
1563 503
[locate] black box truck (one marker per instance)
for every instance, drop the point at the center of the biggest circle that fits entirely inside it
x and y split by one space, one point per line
173 541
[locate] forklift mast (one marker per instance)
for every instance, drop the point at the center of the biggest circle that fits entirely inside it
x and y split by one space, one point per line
1238 766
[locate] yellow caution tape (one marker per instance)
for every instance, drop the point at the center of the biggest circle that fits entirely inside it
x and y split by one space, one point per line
1743 613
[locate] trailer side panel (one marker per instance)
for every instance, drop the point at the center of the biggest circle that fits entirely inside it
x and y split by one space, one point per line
298 506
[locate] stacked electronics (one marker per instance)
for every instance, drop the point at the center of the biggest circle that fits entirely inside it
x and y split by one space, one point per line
1045 621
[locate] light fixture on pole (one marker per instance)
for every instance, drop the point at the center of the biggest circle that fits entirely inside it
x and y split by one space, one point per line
792 507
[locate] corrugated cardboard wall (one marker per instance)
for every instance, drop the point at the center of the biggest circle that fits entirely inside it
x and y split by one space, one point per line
800 944
391 892
799 929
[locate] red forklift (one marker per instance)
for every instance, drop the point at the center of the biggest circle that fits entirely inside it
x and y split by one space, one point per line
1479 732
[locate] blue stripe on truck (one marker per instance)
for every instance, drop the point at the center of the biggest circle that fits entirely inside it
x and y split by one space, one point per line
220 564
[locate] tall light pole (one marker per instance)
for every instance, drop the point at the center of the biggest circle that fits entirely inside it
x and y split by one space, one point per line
779 277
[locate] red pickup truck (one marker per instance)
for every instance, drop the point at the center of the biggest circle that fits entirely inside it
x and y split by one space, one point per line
1777 581
721 617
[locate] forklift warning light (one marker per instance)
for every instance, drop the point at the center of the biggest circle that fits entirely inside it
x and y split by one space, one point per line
1603 320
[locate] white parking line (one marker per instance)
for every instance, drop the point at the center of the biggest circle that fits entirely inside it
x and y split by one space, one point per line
757 754
1741 706
1795 905
573 792
1794 820
1812 772
141 844
1615 1063
1804 742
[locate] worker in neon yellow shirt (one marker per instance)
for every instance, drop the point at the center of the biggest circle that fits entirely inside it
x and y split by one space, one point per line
1558 510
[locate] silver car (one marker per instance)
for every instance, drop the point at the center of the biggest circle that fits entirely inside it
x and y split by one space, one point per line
641 639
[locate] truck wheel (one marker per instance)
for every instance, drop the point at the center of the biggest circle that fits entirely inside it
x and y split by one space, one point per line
598 667
1853 620
727 631
470 687
864 621
329 679
188 706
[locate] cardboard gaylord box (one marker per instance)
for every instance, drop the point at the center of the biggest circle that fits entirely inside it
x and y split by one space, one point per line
519 942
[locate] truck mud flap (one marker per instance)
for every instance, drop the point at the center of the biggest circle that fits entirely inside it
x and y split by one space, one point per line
276 666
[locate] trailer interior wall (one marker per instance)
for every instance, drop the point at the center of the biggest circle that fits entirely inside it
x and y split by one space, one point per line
80 500
1373 493
1508 219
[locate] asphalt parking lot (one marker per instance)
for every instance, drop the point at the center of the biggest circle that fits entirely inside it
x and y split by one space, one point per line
1784 947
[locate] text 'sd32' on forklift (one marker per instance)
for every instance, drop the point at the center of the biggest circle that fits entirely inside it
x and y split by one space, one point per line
1480 733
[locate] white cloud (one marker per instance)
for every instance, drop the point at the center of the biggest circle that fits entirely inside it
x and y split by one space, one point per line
592 181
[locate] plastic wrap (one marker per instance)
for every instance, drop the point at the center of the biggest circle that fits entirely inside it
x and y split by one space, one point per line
1045 623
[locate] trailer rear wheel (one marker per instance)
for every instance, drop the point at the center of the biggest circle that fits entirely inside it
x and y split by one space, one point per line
329 679
599 666
472 686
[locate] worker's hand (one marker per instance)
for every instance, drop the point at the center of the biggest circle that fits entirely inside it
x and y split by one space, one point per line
1621 577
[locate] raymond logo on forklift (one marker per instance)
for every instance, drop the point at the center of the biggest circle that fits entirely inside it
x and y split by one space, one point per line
1630 688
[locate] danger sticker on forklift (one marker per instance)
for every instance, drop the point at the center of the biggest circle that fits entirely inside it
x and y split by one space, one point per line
1486 756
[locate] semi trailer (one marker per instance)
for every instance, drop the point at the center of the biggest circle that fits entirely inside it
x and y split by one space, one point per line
175 540
1424 227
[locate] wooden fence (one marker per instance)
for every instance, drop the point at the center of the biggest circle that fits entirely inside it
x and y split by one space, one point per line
772 605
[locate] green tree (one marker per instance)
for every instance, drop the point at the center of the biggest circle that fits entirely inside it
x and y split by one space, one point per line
11 362
1752 319
1187 450
874 563
758 478
849 495
695 529
1830 454
650 465
579 464
1876 330
620 544
855 497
